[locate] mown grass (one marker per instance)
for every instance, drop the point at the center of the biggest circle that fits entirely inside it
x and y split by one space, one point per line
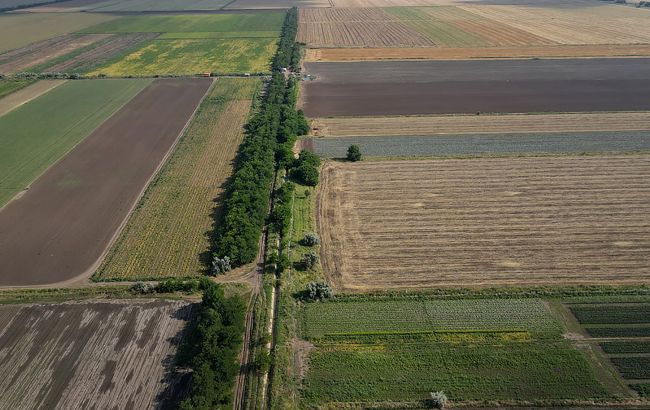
9 86
169 230
40 132
192 23
193 56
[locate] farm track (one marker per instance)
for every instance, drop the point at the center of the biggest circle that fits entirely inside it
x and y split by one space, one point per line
59 229
33 55
114 354
468 53
516 221
483 124
102 53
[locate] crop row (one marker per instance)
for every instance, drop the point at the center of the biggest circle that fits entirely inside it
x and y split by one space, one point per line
633 367
612 313
427 315
633 346
398 372
619 331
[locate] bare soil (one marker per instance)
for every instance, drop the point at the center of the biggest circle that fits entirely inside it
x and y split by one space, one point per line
449 87
61 227
108 354
25 95
486 222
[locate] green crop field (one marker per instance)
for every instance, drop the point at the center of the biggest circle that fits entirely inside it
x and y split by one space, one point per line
642 388
9 86
619 331
219 34
485 144
631 346
40 132
479 349
168 233
469 369
192 23
633 367
222 56
612 313
417 315
18 30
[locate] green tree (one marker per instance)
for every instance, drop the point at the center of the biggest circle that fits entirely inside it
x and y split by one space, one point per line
354 153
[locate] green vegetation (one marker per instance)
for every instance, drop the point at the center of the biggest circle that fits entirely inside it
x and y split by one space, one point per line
633 367
642 388
305 169
156 5
194 56
289 51
8 86
40 132
247 198
423 315
616 331
612 313
467 367
211 348
626 346
166 234
354 153
192 23
21 29
219 34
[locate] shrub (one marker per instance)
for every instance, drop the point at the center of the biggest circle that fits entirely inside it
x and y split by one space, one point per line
319 291
354 153
220 265
306 174
438 400
309 260
180 285
142 288
310 239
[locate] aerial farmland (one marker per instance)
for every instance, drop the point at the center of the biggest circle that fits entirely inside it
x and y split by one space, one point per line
324 204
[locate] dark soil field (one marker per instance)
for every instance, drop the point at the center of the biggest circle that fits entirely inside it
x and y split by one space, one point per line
448 87
483 144
74 355
59 229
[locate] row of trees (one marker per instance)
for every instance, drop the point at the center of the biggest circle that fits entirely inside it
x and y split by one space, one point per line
211 348
267 136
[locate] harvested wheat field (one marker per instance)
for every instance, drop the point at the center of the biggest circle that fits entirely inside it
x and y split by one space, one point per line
365 27
486 222
108 354
483 124
467 53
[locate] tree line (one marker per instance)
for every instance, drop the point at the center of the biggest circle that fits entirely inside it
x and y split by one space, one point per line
268 140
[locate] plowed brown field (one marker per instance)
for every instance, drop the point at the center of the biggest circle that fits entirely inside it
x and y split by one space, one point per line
480 124
62 225
466 53
486 222
108 354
